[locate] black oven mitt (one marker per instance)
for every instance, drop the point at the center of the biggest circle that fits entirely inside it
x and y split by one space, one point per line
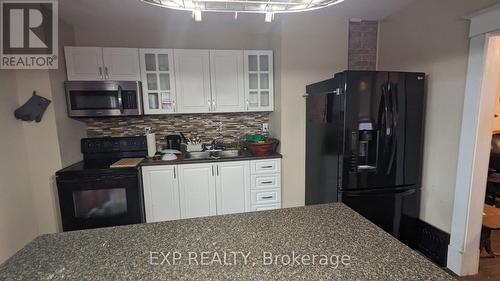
33 109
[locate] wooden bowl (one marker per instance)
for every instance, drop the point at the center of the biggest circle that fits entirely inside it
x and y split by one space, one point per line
263 149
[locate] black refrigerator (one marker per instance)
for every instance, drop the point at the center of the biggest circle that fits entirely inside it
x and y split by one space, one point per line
364 140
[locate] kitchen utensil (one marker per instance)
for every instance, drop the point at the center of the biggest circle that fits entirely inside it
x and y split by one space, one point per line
184 137
127 163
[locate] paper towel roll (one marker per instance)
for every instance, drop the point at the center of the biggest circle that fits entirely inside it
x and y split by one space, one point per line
151 140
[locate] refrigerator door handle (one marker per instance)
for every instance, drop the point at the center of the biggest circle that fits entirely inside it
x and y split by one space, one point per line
392 92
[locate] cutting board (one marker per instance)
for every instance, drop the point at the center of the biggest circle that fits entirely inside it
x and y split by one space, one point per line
127 163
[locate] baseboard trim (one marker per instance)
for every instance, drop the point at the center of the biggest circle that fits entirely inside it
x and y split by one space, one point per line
432 242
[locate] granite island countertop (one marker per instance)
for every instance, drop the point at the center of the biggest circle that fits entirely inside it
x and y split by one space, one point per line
145 251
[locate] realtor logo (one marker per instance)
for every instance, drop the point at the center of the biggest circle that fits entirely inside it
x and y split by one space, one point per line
29 34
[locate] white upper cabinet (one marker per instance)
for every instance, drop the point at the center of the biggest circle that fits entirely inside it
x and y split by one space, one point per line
227 80
197 195
259 80
158 81
161 193
84 63
121 64
233 186
192 81
95 63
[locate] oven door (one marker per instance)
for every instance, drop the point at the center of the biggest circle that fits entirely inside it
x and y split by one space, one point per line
99 201
103 98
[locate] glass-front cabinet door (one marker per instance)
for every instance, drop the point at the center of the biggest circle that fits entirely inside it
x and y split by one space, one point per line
158 81
259 93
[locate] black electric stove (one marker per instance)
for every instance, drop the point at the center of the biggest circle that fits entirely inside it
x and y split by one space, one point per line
92 195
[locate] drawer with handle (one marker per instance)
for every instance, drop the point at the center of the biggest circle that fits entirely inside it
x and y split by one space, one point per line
267 196
265 207
265 166
266 181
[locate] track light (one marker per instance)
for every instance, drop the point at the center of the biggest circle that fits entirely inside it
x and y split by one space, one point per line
197 14
269 17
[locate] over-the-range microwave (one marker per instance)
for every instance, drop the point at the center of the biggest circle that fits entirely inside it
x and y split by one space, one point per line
103 98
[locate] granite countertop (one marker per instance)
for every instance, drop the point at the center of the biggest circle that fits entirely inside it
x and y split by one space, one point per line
181 160
145 251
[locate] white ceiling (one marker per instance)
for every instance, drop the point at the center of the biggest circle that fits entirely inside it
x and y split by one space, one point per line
126 12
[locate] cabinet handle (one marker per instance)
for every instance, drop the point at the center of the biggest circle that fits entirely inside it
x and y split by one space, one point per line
106 75
266 197
266 182
174 106
213 105
100 72
175 173
266 167
212 170
248 104
217 170
209 106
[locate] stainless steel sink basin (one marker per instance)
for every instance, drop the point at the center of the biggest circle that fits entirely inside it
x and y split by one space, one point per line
213 154
197 155
230 153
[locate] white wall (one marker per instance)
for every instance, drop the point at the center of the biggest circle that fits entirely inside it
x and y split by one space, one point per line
432 36
313 48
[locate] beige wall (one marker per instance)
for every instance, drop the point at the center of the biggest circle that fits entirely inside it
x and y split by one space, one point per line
69 131
17 221
32 153
496 120
313 48
431 36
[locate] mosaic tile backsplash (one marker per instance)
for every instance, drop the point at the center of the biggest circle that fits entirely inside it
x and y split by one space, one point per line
230 127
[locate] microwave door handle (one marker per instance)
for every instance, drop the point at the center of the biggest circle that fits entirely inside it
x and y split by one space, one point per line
120 101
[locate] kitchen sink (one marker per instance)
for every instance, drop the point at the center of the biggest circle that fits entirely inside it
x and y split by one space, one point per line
215 154
197 155
228 153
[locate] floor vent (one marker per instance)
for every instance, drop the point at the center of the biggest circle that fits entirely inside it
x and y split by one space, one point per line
432 242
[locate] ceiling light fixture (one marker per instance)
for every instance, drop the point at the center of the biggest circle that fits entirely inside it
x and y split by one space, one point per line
267 7
269 17
197 14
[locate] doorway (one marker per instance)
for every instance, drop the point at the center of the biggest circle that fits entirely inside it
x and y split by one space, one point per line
483 74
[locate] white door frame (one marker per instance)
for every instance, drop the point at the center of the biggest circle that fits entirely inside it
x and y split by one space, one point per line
483 72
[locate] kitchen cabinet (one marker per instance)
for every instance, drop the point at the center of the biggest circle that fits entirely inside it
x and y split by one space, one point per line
227 80
259 80
220 188
197 190
84 63
121 64
232 187
95 64
161 193
192 81
158 76
265 187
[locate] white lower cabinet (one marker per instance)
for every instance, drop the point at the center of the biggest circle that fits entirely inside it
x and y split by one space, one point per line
198 190
161 193
265 188
233 186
